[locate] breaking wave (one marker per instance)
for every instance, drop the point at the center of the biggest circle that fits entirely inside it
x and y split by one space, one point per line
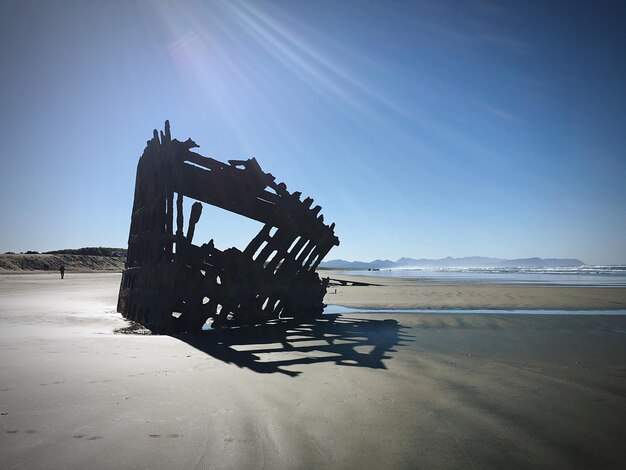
588 275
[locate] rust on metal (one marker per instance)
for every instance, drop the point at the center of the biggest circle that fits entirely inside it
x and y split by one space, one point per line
171 284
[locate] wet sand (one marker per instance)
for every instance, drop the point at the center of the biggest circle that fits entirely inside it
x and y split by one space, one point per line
393 293
357 391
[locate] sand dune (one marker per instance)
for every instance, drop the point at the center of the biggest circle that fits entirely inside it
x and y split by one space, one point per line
358 391
11 263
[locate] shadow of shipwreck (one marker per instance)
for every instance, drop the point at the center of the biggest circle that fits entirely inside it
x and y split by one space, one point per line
329 338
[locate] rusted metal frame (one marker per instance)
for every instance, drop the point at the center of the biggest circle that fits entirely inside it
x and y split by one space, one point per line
271 292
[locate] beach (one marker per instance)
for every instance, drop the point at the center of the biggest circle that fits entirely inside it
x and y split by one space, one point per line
83 388
404 293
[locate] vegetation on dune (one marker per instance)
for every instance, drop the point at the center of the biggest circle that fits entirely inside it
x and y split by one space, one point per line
79 259
91 251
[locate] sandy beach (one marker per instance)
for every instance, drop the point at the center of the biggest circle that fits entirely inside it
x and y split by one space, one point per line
398 293
351 391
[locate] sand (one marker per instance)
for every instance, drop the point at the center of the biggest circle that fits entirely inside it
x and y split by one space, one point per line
392 293
357 391
16 263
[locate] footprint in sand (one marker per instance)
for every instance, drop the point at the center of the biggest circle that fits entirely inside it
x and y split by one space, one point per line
92 438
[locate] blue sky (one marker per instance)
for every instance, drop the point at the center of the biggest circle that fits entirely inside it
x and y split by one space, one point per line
423 129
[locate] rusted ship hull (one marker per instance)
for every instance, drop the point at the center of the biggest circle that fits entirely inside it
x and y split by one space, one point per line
171 284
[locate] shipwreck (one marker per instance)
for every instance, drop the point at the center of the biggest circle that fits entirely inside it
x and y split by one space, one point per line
171 284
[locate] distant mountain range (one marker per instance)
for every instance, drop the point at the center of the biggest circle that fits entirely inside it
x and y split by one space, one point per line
467 262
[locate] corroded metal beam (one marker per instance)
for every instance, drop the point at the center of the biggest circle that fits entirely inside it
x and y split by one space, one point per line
170 284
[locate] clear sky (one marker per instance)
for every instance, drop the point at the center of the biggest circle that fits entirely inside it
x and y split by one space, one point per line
423 129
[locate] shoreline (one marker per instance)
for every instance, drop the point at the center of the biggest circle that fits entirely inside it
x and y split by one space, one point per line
411 293
341 310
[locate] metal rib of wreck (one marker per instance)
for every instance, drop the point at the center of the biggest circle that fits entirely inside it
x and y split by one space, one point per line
170 284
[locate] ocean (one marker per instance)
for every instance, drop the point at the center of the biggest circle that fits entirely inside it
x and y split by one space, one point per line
590 276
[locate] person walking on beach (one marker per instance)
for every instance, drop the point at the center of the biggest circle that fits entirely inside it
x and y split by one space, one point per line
62 270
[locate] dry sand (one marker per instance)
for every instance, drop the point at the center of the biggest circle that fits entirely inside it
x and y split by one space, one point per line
358 391
15 263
